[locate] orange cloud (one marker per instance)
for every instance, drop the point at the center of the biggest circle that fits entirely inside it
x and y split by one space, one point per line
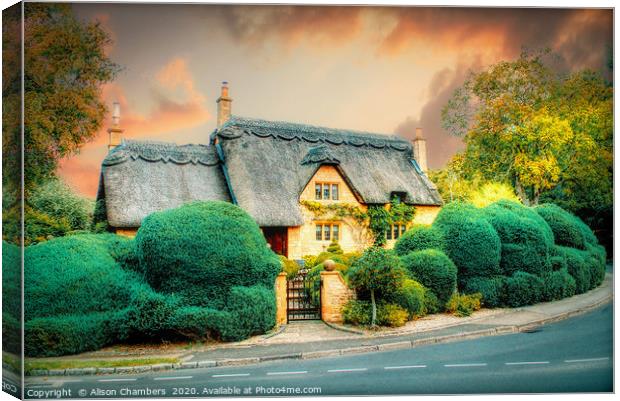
168 115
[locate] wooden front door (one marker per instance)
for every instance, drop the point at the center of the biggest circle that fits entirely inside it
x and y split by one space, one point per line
277 238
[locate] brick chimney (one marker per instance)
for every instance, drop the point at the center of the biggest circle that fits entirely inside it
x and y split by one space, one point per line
115 131
419 150
224 106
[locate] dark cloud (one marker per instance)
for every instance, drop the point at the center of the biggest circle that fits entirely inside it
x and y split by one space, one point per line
440 145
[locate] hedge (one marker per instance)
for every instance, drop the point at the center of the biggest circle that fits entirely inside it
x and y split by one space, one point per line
434 270
69 334
568 229
410 296
418 238
74 275
527 213
471 242
577 266
557 285
522 289
203 249
491 288
11 280
526 244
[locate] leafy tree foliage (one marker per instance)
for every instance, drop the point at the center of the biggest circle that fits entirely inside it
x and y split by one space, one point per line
377 271
66 65
547 134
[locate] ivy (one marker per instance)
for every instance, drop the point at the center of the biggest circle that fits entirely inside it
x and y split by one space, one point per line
378 219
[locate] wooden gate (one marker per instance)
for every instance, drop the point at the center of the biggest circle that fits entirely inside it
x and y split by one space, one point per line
303 297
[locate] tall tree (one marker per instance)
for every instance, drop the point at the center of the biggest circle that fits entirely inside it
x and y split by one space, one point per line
539 130
65 66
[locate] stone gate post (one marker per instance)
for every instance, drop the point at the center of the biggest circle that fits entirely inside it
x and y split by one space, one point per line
334 295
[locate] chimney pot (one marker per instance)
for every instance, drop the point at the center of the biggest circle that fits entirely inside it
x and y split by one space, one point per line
419 150
224 105
115 131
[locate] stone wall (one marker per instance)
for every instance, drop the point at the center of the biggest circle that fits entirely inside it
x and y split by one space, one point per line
334 295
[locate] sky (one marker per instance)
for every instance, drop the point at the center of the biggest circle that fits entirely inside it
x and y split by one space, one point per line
379 69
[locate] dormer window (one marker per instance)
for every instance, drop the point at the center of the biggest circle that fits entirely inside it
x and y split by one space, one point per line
326 191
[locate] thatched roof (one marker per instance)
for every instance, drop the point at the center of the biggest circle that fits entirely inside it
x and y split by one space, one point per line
139 178
270 163
263 166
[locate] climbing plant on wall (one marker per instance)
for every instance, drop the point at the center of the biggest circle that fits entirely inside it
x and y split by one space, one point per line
378 219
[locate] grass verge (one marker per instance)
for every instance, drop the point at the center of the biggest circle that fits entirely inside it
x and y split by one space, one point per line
95 363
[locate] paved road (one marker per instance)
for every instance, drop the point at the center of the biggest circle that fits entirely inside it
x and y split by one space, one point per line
574 355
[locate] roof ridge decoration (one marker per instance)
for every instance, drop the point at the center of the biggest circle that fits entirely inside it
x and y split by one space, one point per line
166 152
235 127
320 154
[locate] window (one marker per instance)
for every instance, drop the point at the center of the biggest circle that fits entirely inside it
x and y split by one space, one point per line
327 232
395 231
326 191
334 191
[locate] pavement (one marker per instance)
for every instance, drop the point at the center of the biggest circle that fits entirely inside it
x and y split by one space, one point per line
315 339
573 355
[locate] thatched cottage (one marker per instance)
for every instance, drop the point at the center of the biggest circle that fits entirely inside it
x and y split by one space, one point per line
273 170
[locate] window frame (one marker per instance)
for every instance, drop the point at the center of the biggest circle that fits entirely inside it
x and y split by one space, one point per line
329 234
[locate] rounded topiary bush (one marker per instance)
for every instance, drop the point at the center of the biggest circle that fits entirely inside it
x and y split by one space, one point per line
577 267
418 238
523 289
11 298
434 270
557 285
491 289
410 296
527 213
74 275
525 244
568 229
470 241
201 250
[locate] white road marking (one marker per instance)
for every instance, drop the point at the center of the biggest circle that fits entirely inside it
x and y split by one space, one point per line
404 367
346 370
117 380
301 372
173 378
527 363
464 365
232 375
586 360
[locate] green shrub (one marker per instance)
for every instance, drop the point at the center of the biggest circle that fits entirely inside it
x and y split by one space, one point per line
335 248
410 296
203 249
568 229
252 311
11 280
558 263
418 238
290 267
197 323
434 270
391 315
530 214
431 303
359 313
463 305
70 334
525 244
149 314
577 267
11 334
557 285
491 289
74 275
523 289
471 242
